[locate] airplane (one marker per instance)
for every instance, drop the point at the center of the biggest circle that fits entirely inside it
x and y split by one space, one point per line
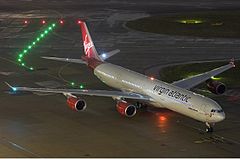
130 85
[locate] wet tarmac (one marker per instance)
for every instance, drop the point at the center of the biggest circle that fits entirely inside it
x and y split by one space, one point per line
42 125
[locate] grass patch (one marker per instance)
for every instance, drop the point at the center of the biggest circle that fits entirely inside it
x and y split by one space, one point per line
224 24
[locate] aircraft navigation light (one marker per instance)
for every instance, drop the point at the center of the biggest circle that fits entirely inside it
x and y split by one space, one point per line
14 89
79 21
162 118
216 78
104 55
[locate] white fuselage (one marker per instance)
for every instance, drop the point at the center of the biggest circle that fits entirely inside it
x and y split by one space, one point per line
162 94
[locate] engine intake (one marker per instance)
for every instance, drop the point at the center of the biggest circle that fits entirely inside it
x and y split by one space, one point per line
126 109
216 87
76 104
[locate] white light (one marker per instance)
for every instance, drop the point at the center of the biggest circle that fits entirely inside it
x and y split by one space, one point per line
104 55
14 89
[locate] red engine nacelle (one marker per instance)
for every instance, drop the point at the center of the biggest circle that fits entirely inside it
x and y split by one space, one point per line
126 109
216 87
76 104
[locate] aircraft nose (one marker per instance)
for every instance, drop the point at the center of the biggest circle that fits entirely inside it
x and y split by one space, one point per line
221 116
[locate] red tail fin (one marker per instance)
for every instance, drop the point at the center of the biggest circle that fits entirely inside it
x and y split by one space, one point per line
89 48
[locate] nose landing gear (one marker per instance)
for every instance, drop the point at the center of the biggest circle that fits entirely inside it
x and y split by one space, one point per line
209 128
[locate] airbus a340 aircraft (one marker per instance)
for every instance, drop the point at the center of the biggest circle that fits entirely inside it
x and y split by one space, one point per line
143 89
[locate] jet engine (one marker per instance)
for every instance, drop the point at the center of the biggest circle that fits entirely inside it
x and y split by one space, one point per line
126 109
216 87
76 104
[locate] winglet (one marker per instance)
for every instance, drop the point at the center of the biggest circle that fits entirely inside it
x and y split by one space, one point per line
13 88
232 62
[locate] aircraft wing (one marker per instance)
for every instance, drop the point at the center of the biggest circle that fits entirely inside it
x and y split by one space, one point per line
193 81
103 93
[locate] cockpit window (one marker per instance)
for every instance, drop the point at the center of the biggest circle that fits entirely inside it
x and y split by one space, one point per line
215 110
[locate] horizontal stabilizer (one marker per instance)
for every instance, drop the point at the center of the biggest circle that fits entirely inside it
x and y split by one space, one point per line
65 60
105 56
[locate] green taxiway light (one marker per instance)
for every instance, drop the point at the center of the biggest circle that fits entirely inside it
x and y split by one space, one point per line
81 86
26 50
190 21
72 83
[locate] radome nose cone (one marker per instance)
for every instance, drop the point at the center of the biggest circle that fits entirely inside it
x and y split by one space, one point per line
221 116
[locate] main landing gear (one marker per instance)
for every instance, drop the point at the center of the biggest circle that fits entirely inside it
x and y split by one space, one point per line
209 128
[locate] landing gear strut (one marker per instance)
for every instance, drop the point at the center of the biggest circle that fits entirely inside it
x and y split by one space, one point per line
209 128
